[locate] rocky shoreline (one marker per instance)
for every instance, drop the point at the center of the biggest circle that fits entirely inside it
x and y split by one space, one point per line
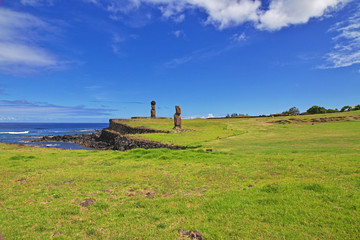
106 140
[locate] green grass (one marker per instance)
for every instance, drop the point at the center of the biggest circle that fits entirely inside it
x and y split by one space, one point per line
262 181
198 131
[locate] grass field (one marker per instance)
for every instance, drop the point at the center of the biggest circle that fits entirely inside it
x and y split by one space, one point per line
266 178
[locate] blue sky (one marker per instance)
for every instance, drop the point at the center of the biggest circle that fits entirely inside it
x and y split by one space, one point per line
91 60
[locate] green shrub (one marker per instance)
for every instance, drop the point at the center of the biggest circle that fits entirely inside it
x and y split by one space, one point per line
345 108
316 110
332 110
291 112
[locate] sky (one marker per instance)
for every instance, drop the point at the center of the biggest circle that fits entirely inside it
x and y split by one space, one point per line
92 60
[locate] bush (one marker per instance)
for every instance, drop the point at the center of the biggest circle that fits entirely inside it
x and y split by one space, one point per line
286 113
291 112
357 107
332 110
316 110
294 111
345 108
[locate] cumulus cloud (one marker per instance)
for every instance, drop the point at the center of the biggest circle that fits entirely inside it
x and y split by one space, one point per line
227 13
282 13
346 51
19 36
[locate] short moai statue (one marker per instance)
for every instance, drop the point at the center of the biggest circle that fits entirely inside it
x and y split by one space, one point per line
153 111
177 118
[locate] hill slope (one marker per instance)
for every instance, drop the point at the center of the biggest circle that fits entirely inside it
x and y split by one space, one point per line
267 178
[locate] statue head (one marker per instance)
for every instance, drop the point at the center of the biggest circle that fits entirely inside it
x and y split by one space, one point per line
178 110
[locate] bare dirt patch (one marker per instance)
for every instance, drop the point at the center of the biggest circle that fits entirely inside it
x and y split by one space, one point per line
56 234
265 123
167 195
312 120
106 190
21 180
74 200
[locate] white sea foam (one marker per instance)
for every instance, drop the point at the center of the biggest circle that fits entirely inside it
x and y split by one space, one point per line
52 145
25 132
85 130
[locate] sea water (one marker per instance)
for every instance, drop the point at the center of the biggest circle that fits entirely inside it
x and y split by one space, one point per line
16 133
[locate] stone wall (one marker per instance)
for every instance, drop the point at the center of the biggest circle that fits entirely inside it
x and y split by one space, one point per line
112 138
123 143
122 128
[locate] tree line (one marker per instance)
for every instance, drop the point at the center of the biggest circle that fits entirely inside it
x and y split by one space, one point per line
295 111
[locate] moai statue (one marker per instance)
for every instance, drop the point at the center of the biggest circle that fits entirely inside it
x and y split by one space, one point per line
153 111
177 118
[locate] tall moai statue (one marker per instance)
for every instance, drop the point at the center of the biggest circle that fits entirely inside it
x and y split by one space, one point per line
153 111
177 118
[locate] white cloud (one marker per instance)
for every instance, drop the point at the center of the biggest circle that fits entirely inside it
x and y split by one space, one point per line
179 18
198 55
238 37
92 1
228 13
283 13
21 108
346 51
210 115
19 36
178 33
35 3
125 6
7 118
19 54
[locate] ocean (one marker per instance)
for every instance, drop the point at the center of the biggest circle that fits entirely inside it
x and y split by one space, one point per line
15 133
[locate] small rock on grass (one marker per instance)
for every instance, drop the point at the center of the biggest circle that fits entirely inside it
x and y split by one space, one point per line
56 234
87 202
192 234
149 194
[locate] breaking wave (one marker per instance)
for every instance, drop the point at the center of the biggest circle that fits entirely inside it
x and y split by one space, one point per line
25 132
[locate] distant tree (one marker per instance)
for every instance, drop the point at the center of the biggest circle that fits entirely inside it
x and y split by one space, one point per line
357 107
227 115
316 110
332 110
294 111
291 112
345 108
234 115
